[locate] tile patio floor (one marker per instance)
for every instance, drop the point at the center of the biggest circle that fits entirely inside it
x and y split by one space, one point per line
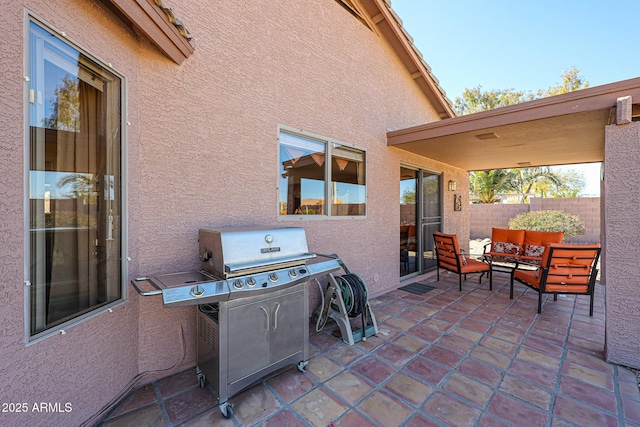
447 358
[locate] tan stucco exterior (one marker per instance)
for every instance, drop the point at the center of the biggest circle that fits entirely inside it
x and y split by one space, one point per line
202 152
621 226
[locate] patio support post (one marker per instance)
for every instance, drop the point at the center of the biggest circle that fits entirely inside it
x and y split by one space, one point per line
620 237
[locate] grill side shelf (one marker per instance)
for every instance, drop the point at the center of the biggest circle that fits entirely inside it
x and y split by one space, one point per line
136 284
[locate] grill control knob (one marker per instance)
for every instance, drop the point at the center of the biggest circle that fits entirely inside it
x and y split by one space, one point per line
303 271
197 291
293 274
273 277
251 282
237 284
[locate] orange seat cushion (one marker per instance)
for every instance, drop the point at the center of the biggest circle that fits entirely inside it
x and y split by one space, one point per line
507 236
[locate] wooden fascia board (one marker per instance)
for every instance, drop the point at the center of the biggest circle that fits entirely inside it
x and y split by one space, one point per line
389 27
151 21
598 97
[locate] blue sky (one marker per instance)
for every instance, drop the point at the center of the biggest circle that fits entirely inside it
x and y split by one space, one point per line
520 45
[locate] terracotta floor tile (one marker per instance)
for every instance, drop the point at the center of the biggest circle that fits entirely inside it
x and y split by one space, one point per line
426 370
629 390
322 368
516 412
591 376
177 383
373 369
323 340
503 334
589 360
449 317
136 399
348 386
399 323
346 353
631 410
534 373
188 404
384 409
491 356
212 417
480 371
411 343
420 421
533 356
582 415
468 389
425 333
409 388
437 324
353 419
502 346
442 355
488 420
426 310
475 326
413 315
626 374
526 391
450 410
319 407
148 416
291 384
542 346
281 419
465 334
370 343
395 355
588 394
456 344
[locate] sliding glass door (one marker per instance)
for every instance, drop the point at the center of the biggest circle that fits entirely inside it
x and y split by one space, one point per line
420 216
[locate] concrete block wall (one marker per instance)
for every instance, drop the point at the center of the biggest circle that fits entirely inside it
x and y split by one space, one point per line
485 217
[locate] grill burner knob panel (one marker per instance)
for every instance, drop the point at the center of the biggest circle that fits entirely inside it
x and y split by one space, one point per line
251 282
197 291
293 273
273 277
237 284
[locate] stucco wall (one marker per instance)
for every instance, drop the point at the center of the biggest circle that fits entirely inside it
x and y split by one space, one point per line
202 152
484 217
91 363
621 209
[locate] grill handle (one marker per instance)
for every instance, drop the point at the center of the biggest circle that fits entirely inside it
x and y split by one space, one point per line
266 313
136 285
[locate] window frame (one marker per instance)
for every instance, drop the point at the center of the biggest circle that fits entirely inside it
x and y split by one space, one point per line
29 339
329 143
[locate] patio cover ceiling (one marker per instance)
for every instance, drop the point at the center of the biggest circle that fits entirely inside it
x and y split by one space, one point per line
562 129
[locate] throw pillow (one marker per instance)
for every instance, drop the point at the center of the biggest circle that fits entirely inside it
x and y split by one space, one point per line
507 249
534 251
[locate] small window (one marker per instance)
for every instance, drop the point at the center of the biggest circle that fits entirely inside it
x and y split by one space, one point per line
304 188
74 183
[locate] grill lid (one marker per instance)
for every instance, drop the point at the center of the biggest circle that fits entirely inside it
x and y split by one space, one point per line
238 251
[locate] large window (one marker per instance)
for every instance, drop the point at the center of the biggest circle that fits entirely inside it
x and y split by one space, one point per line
304 188
74 183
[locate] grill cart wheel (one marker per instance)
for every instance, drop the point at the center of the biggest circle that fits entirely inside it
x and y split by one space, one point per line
201 381
302 365
226 409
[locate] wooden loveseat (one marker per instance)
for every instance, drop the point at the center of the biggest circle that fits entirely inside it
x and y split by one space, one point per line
510 248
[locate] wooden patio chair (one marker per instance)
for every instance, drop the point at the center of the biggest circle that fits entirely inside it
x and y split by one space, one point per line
450 257
565 269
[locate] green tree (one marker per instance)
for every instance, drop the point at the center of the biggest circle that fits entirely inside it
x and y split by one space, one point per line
525 181
65 110
488 186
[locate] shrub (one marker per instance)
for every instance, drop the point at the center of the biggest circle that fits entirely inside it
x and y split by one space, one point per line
572 225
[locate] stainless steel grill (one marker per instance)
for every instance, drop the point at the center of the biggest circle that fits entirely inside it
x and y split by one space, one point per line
252 298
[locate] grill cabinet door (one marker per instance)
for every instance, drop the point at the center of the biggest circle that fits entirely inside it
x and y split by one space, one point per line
249 330
287 325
